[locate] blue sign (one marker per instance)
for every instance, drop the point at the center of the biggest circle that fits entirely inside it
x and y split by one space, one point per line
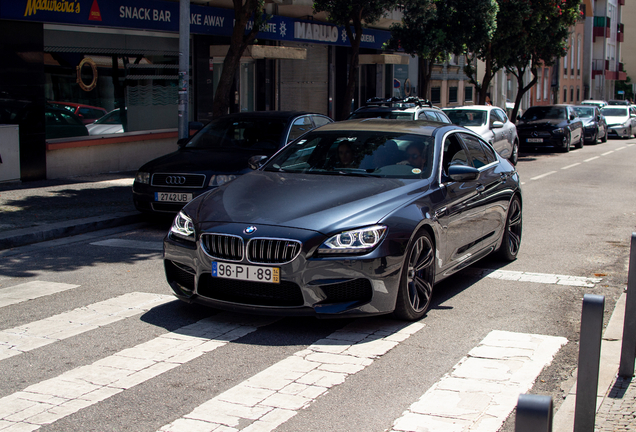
164 16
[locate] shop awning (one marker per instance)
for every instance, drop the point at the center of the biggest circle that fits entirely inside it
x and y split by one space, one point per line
262 52
384 59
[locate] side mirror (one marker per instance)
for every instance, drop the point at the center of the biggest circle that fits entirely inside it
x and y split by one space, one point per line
572 116
194 127
463 173
181 142
255 162
497 124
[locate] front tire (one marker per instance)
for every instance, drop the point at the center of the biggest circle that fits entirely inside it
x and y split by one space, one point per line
416 281
604 139
568 144
581 142
511 240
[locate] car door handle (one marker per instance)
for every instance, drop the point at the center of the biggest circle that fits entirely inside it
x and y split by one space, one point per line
480 188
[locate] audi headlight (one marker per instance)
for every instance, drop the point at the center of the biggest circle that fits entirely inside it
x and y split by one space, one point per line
218 180
142 177
355 241
558 131
183 227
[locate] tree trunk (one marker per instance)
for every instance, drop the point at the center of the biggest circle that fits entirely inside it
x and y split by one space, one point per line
345 108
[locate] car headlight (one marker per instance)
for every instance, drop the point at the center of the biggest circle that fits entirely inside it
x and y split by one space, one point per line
218 180
142 177
183 227
355 241
558 131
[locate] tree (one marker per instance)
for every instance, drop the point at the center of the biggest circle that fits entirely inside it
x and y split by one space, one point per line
246 12
433 29
533 34
352 14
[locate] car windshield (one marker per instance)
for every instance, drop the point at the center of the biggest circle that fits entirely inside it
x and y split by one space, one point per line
543 113
113 117
360 153
467 117
396 115
246 133
585 112
614 112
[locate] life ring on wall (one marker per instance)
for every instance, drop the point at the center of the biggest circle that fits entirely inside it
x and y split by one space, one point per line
407 87
82 84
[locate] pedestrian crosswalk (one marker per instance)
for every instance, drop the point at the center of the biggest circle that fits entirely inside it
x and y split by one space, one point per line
477 394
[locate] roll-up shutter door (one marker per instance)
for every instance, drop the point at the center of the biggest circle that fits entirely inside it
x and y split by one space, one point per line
304 84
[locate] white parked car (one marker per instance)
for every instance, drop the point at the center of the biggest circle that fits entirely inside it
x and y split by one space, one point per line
108 124
621 120
492 123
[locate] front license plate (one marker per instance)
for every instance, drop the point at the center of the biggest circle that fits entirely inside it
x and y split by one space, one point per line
173 197
535 140
246 272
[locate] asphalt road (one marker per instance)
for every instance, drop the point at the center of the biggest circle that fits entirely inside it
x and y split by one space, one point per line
579 213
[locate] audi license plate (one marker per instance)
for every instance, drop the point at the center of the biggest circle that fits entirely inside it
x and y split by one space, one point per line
246 272
535 140
173 197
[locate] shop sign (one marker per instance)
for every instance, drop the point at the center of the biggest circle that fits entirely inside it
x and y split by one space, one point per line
164 16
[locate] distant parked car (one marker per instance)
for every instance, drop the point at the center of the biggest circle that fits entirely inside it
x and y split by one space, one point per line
87 113
217 154
621 120
410 108
492 124
594 124
618 102
61 123
599 103
113 122
550 126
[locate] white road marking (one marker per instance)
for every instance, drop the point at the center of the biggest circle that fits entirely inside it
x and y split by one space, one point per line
56 398
606 153
535 277
130 244
543 175
620 148
482 389
592 158
40 333
275 395
630 145
30 291
570 166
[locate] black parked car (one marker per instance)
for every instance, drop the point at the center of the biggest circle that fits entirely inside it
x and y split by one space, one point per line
307 234
217 154
594 124
550 126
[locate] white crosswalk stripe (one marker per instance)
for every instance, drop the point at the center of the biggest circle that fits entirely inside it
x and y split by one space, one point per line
274 395
53 399
40 333
482 389
31 290
545 278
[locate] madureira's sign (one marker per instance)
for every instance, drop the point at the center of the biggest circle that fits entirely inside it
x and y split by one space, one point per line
164 16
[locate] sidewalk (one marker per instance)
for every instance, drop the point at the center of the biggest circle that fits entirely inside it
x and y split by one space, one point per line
49 209
37 211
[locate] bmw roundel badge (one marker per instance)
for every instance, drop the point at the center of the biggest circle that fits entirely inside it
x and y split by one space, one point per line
250 230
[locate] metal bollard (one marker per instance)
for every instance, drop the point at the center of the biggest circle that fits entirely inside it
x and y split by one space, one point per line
628 345
534 413
589 360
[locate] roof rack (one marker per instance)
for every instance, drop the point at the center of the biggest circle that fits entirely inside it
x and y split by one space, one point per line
408 102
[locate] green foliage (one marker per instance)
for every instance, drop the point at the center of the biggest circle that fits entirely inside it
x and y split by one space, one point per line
345 12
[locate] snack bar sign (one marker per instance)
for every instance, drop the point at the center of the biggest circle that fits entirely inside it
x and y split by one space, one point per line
164 16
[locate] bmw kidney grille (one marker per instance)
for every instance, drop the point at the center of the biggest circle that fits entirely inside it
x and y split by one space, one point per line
257 251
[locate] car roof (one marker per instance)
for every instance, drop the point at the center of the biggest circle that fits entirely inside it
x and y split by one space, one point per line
484 107
420 127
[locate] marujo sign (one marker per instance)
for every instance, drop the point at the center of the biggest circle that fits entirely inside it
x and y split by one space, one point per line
164 16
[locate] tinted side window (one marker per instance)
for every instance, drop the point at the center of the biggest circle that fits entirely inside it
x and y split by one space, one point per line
475 150
499 115
299 127
321 121
454 153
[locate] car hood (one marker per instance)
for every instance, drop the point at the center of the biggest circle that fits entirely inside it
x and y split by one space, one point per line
319 203
98 129
201 160
538 124
483 131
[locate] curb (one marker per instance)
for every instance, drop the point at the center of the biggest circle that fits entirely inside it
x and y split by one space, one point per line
26 236
608 369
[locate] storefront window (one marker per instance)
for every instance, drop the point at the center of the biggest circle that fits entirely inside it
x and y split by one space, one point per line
113 81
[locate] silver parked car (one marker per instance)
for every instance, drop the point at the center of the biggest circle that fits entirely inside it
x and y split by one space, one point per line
492 124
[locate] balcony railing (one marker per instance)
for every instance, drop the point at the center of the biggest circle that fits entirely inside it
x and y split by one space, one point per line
602 27
620 33
610 70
